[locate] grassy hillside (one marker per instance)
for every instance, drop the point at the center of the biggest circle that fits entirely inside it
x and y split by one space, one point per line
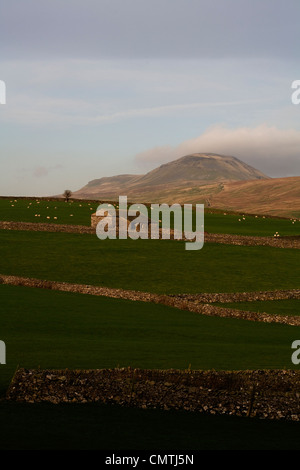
275 196
278 196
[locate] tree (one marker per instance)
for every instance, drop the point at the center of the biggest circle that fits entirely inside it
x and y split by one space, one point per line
67 194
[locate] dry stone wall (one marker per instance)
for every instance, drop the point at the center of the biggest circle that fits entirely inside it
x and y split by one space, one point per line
227 239
199 303
272 394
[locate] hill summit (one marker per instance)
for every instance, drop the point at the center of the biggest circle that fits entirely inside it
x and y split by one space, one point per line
195 169
202 167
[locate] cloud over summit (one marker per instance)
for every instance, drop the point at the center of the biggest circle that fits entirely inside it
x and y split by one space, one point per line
273 151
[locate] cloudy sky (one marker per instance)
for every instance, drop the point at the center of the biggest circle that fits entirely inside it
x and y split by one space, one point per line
103 87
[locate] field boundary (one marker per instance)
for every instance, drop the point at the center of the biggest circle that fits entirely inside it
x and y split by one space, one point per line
227 239
197 303
271 394
44 227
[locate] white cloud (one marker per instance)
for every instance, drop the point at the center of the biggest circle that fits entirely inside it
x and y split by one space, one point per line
274 151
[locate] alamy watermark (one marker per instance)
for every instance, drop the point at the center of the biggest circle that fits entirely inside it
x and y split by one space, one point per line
2 92
136 222
296 354
296 94
2 352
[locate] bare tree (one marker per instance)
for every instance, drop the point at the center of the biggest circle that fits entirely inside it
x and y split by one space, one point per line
67 194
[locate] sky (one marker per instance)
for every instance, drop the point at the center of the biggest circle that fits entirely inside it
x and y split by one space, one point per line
104 87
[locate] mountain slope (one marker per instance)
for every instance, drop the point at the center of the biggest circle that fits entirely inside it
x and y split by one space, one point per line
202 167
194 169
274 196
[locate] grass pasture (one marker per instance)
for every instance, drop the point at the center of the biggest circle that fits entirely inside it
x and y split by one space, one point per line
58 330
44 211
161 266
240 224
51 329
77 212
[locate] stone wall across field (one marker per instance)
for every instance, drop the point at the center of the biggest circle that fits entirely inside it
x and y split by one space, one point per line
224 297
227 239
271 394
247 240
44 227
197 303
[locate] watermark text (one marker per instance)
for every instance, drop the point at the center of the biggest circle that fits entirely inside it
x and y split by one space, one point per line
296 94
2 352
296 354
2 92
136 221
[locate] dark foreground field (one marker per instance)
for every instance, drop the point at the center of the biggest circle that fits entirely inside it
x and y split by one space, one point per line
46 426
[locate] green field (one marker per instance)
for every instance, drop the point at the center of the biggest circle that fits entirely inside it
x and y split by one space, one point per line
38 210
218 222
57 330
79 213
289 307
162 266
50 329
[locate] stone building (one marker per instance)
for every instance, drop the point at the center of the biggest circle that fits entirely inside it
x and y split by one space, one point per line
95 219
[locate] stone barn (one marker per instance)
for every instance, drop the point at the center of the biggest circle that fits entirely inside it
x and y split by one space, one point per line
95 219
